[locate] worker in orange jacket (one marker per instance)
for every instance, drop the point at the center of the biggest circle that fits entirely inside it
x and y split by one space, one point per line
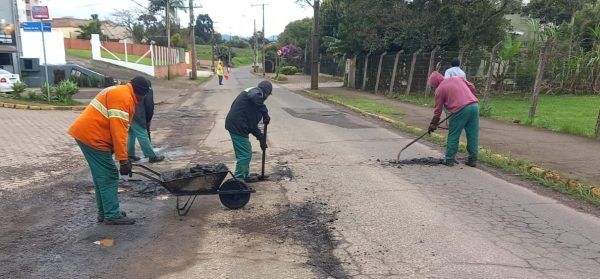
101 131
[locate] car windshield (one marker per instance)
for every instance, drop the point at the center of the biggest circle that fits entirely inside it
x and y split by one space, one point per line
4 72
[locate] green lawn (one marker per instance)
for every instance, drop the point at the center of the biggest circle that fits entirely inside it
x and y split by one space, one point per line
568 114
244 56
88 55
367 105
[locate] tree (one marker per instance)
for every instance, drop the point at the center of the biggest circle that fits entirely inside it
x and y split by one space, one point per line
297 32
178 41
156 6
509 49
92 27
555 11
292 55
237 41
204 29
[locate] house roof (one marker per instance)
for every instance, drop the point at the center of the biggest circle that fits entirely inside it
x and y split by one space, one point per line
67 22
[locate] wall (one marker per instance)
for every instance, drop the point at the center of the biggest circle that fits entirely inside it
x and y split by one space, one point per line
77 44
35 79
135 49
175 70
55 46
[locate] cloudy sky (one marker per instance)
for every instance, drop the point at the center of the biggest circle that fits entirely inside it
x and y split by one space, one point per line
235 15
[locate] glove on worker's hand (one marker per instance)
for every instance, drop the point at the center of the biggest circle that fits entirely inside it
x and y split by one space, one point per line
434 124
125 167
263 143
266 119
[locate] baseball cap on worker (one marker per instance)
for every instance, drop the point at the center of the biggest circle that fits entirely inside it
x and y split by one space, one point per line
141 85
266 87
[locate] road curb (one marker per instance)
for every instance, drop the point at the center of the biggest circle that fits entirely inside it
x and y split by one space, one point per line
42 107
536 172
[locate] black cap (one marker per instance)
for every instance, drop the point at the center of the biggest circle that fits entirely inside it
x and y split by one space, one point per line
141 85
455 62
266 87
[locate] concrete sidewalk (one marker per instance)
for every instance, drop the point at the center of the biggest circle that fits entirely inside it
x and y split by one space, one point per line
568 154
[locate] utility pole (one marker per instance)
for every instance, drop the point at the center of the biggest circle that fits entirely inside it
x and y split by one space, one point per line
15 16
193 39
168 18
314 56
263 41
255 47
263 35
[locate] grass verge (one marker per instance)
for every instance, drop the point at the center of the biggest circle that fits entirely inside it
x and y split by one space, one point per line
576 115
506 162
243 56
87 54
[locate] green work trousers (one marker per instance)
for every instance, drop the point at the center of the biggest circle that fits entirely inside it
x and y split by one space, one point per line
106 180
243 155
139 132
467 119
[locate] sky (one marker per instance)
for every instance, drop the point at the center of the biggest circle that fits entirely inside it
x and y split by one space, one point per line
236 16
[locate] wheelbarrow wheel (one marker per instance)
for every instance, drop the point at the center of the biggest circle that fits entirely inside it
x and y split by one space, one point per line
234 201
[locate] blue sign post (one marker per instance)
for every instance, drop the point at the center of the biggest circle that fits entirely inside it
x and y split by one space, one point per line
37 26
40 27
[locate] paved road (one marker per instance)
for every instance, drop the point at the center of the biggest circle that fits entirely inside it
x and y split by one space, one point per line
342 215
417 221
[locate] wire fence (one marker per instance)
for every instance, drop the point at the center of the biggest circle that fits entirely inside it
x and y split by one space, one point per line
533 70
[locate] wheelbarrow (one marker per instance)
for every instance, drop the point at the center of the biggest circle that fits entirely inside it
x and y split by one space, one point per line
187 184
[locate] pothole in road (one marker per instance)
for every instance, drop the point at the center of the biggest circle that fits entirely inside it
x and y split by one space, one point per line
308 225
425 161
282 172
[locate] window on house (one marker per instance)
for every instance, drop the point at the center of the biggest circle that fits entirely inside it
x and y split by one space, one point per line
26 1
5 59
28 12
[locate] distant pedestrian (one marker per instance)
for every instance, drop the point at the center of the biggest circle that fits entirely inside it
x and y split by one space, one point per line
246 112
457 95
220 72
101 131
140 130
455 71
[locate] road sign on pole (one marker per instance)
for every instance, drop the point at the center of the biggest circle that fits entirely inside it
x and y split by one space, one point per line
40 12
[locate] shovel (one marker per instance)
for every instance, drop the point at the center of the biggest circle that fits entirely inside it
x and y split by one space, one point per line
417 139
264 157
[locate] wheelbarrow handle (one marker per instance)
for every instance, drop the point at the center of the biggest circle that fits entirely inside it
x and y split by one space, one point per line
159 179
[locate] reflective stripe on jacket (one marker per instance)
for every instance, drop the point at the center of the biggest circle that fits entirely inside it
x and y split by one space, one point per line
104 123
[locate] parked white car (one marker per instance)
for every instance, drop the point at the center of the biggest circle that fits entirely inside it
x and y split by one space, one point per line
7 79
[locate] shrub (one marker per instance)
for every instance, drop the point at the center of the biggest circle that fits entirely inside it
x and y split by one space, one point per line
44 90
31 95
64 91
281 77
288 70
19 87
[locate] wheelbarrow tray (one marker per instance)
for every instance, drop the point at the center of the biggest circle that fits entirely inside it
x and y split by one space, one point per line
184 183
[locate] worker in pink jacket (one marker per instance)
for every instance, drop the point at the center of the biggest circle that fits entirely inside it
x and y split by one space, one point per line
457 95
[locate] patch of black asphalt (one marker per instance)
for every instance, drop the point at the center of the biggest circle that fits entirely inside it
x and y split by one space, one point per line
425 161
308 225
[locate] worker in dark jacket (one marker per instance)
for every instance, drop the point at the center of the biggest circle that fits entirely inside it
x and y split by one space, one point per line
140 130
246 112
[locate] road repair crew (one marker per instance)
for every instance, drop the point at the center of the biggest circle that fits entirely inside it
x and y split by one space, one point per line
457 96
246 112
100 131
140 130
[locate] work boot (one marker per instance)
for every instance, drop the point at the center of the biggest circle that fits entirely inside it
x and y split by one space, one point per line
471 163
252 178
134 158
450 162
157 158
120 221
101 217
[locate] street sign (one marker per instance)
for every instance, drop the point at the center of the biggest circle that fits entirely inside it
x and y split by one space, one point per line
40 12
30 26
